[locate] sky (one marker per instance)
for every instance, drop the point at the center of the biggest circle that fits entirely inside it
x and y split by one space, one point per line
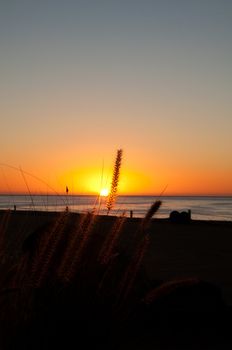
81 79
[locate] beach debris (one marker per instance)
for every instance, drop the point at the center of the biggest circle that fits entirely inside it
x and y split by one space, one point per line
180 217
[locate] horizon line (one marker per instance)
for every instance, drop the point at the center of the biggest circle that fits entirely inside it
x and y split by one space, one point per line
119 195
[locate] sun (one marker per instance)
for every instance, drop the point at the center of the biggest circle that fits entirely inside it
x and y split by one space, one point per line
104 192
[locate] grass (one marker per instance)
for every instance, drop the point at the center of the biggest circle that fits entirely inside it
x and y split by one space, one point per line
115 179
76 266
79 278
72 267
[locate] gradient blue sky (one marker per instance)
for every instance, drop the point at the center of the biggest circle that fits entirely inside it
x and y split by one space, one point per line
80 79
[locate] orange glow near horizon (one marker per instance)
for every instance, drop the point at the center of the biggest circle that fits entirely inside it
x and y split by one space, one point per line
80 82
91 181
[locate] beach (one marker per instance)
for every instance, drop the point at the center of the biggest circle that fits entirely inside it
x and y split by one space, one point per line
197 249
190 251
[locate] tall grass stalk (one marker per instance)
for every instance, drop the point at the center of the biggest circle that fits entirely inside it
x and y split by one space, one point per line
76 235
131 272
95 267
114 184
23 173
28 189
44 256
150 213
3 227
111 240
75 247
77 258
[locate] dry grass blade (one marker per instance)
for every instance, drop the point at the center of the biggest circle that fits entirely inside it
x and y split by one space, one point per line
150 213
74 241
111 239
78 257
131 272
114 183
28 189
42 260
3 227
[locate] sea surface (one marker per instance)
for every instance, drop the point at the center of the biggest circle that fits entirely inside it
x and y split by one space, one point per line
202 208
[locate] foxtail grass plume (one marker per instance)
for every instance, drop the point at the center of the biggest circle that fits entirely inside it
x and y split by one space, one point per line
42 261
150 213
114 184
86 232
108 246
78 229
132 270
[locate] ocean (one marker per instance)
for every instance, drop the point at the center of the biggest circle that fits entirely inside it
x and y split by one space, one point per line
202 208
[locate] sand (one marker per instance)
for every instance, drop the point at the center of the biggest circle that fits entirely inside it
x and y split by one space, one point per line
193 251
200 249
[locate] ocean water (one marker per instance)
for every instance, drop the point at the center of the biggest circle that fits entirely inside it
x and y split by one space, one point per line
202 208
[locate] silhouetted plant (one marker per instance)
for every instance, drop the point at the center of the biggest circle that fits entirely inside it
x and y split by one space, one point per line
130 274
72 252
3 226
114 184
131 271
43 258
111 240
74 241
150 213
85 231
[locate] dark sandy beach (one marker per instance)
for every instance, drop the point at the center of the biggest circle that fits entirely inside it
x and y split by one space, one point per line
194 251
197 249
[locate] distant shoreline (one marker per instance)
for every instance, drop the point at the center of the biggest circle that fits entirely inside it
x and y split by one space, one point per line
201 208
123 195
55 213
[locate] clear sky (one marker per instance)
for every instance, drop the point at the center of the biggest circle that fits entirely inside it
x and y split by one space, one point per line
80 79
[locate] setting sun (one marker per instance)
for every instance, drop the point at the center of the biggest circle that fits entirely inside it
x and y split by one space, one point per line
104 192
